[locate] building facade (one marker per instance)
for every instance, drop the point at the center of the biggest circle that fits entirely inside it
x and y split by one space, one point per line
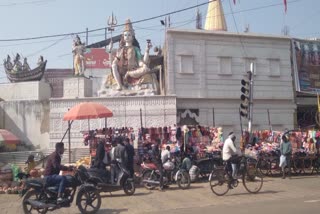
205 68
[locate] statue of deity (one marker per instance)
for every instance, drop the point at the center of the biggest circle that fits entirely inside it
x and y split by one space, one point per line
40 60
8 63
17 65
25 66
129 67
78 50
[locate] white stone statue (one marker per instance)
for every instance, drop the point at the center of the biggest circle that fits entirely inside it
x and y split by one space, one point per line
25 66
129 68
40 60
17 65
7 62
78 50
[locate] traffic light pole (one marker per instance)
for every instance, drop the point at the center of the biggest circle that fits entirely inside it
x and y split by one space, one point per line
250 116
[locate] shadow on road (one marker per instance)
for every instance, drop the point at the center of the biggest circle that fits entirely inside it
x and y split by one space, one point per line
177 188
111 211
304 177
261 192
105 195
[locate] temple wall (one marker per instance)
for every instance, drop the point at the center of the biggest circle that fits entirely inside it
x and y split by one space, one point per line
28 120
157 111
205 68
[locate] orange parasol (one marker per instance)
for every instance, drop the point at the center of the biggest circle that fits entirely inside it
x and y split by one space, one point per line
87 110
7 137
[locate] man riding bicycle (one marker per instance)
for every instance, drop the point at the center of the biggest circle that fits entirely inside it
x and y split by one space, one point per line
229 154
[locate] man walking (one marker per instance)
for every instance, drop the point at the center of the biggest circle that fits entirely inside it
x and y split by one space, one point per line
120 153
130 153
286 150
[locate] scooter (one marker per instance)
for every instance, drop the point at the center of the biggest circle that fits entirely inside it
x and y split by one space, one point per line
171 173
101 178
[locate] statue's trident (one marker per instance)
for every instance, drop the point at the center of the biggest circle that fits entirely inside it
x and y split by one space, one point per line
112 22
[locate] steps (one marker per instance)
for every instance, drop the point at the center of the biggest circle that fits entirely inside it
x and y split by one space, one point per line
19 158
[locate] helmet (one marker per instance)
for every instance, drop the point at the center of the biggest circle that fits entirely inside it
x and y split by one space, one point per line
168 165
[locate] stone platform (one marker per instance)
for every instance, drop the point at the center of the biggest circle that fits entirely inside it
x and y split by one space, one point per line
76 87
35 90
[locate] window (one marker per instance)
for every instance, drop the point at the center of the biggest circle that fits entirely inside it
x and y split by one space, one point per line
225 66
186 64
274 66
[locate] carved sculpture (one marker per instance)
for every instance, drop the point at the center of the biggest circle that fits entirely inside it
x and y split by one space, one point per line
130 70
18 72
78 50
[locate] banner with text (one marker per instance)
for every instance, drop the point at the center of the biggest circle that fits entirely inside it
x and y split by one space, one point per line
306 65
97 58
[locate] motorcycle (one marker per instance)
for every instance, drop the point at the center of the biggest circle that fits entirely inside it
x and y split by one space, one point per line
207 164
39 198
101 178
172 173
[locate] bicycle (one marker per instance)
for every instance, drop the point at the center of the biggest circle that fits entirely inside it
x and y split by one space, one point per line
252 179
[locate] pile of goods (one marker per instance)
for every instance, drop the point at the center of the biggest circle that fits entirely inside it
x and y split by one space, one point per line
8 181
83 161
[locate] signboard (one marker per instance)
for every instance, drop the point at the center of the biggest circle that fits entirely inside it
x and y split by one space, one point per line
97 58
306 65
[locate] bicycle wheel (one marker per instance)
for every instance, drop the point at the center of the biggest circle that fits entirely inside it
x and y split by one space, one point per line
252 180
218 182
297 166
264 167
275 169
183 180
316 167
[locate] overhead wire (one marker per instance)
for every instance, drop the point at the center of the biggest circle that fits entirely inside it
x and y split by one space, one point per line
35 2
138 21
99 29
235 23
150 28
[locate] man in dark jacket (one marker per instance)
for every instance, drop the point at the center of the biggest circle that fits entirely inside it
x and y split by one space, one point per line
130 153
100 153
52 171
120 153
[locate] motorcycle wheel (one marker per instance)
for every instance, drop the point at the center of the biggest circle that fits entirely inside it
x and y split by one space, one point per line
27 207
184 180
88 201
129 187
148 175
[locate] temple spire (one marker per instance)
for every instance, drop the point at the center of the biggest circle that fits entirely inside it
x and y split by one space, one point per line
215 19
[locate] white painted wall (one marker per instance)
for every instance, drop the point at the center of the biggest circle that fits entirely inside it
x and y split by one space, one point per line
28 120
216 63
98 76
157 111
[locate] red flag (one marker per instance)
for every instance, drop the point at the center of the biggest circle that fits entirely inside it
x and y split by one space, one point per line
234 1
285 5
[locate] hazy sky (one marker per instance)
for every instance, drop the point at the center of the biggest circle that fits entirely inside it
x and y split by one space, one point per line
32 18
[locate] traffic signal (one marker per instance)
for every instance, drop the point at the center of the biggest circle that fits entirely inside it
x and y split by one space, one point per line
245 98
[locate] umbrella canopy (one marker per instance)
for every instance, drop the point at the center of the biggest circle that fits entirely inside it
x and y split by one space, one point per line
87 110
7 137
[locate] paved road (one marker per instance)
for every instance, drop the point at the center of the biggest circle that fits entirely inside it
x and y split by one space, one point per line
296 195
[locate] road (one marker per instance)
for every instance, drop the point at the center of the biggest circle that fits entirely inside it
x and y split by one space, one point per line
296 195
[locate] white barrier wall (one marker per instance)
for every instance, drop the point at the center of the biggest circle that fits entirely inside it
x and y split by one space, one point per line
157 111
28 120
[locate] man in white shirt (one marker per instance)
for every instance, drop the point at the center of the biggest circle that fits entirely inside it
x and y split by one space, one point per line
229 154
165 155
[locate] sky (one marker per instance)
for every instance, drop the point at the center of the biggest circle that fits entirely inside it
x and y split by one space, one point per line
33 18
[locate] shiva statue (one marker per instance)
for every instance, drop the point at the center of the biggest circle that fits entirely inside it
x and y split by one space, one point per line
130 70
